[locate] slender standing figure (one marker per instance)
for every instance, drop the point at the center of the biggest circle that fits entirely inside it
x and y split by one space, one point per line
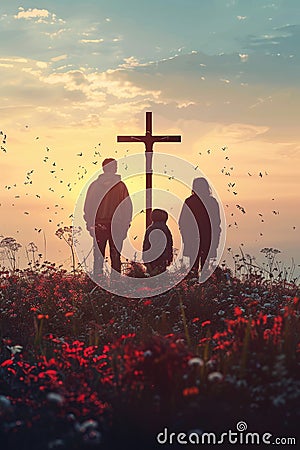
199 224
108 213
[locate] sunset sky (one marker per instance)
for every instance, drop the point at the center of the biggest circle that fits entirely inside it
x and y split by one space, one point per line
221 73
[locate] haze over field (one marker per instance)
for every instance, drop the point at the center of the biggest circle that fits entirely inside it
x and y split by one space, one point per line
223 74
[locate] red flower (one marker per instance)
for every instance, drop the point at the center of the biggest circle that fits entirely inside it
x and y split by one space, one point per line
238 311
42 316
7 362
190 391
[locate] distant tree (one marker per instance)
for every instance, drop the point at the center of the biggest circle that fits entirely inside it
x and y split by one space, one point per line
11 247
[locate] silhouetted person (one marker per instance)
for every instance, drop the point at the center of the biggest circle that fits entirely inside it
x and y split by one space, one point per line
158 244
199 224
107 218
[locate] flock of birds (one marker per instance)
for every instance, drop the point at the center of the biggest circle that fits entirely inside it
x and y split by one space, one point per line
55 172
231 187
57 175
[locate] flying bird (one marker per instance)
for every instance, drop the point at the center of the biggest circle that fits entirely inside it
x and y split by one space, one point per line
241 208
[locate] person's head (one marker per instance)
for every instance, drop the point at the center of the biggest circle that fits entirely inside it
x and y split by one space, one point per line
201 187
159 215
109 165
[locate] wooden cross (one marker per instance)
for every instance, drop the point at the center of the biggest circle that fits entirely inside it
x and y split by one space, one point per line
148 140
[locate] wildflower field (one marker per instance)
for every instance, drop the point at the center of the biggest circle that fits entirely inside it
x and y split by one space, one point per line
82 368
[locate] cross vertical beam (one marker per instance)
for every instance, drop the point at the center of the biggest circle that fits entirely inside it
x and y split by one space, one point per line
149 123
148 139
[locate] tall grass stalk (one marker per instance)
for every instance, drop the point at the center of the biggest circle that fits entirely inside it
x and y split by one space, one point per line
183 316
244 357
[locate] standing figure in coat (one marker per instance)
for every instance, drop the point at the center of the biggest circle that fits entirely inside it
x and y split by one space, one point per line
199 224
158 244
108 213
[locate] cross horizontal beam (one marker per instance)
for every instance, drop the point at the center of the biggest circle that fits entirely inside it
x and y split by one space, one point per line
148 139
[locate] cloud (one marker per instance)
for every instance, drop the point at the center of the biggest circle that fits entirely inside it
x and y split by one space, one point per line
130 62
244 57
37 15
289 149
42 64
59 58
15 60
58 33
251 88
72 97
32 14
6 65
255 89
91 41
283 40
240 132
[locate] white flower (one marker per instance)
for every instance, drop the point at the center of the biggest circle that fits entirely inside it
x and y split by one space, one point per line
15 349
196 362
215 376
88 425
55 398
